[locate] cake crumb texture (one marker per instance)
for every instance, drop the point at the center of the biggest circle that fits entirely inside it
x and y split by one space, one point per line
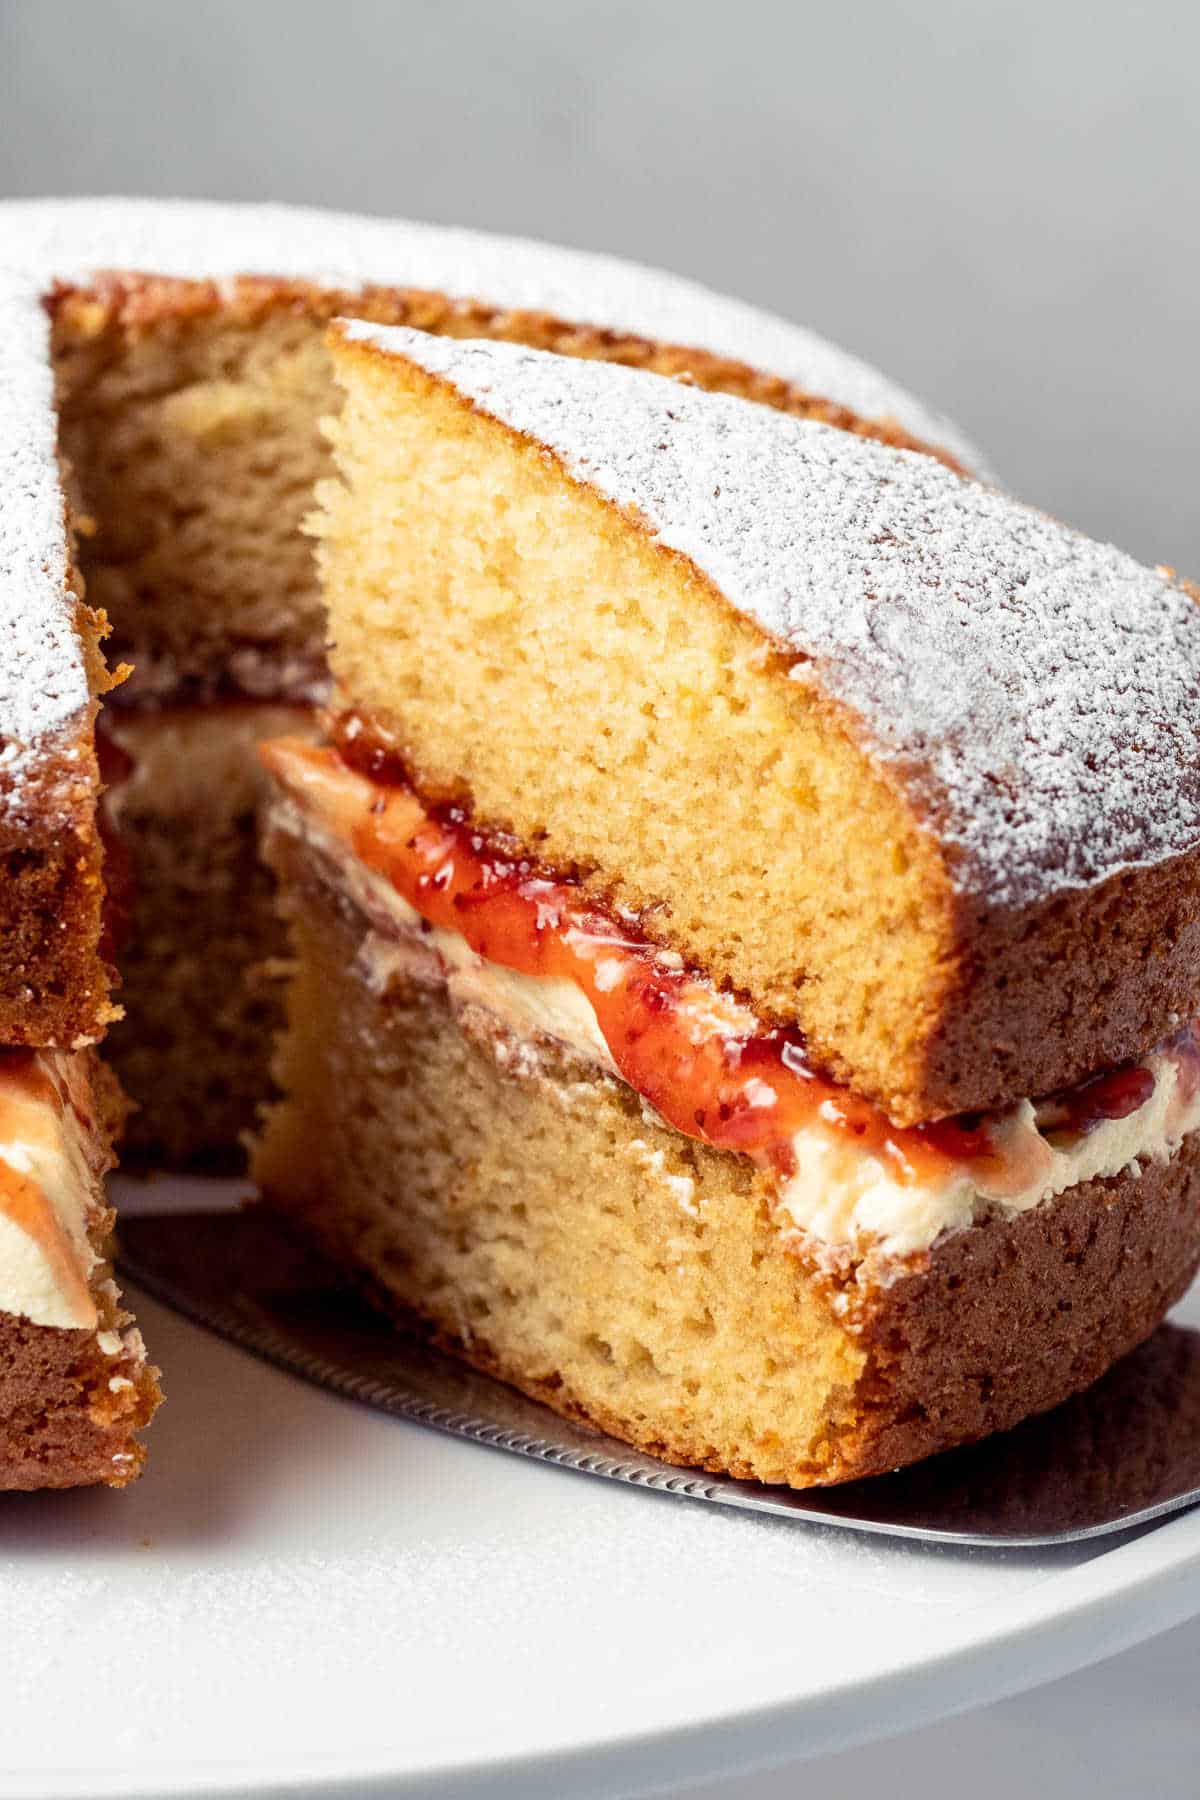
63 1422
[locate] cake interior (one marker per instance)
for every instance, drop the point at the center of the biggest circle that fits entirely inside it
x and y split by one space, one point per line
199 945
190 422
420 1146
475 593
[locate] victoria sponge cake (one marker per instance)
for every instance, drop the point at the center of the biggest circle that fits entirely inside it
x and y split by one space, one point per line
163 375
75 1385
172 357
745 915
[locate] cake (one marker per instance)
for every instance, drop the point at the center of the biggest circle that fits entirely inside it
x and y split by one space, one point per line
180 347
163 372
746 916
75 1386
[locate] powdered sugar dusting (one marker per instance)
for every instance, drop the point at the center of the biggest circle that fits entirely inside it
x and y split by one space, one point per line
42 675
43 678
1037 692
71 239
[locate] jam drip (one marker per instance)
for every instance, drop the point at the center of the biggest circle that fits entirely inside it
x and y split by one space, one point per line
701 1061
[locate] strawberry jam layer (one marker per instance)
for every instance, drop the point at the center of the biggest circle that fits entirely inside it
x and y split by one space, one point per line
699 1058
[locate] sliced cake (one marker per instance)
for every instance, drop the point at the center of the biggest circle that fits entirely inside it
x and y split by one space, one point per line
75 1386
745 915
176 352
163 373
74 1383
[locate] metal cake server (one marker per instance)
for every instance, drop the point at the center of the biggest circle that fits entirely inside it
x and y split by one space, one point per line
1122 1454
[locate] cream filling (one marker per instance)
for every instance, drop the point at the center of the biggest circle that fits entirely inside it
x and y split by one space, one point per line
46 1256
528 1005
196 759
840 1195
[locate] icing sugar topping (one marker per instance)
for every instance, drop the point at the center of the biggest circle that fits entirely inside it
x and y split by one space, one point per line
43 681
71 239
42 674
1039 693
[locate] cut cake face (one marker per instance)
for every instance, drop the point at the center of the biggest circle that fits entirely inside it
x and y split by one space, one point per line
911 766
173 354
641 693
162 378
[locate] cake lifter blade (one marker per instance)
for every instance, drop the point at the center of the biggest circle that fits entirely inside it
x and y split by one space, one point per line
1119 1456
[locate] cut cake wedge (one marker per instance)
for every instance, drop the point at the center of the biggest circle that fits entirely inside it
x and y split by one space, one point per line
745 913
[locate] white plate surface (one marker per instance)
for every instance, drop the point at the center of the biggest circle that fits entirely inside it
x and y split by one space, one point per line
302 1595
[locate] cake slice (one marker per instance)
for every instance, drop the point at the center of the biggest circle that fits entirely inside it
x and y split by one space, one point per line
75 1386
163 374
172 355
745 916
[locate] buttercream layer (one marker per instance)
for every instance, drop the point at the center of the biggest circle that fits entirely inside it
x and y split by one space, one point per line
548 964
53 1151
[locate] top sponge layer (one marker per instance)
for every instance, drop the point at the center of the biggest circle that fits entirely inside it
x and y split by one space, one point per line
1037 693
914 766
128 298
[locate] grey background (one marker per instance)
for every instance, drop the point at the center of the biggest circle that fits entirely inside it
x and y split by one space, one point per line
995 202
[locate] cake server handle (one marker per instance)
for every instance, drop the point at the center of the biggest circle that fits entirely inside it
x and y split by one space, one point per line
1116 1458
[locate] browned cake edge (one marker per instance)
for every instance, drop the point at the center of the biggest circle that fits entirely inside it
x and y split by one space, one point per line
62 1424
138 301
1041 997
56 979
1013 1316
1009 1319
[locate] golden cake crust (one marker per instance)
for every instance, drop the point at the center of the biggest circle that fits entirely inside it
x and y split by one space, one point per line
1010 1317
56 979
62 1422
